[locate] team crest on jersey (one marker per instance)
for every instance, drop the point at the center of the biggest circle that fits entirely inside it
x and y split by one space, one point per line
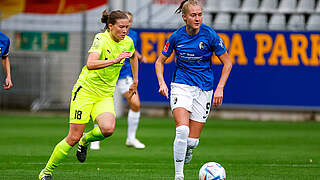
201 45
166 47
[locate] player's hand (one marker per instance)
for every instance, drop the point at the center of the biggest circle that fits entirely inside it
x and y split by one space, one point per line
163 90
8 84
123 55
143 59
218 97
132 89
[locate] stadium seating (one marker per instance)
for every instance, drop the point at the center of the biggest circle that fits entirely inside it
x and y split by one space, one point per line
240 21
287 6
277 22
250 5
259 22
313 23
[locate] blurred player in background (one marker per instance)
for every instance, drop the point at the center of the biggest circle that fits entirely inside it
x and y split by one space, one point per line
123 85
92 95
192 83
4 54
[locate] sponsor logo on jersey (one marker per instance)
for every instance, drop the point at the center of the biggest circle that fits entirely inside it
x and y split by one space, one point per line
166 47
221 43
179 160
201 45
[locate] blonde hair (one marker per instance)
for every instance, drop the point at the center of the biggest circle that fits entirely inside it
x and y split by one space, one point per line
185 4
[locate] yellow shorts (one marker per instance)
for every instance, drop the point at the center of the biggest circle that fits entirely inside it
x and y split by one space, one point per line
85 105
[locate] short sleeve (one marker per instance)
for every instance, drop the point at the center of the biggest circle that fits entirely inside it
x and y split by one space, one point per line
97 45
169 46
6 50
218 45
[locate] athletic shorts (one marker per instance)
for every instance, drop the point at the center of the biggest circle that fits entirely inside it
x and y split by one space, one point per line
85 105
124 84
193 99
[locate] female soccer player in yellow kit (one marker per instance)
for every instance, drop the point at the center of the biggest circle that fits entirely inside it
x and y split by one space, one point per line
92 95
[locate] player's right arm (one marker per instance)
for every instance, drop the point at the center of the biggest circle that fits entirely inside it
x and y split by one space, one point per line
166 52
94 61
163 89
6 66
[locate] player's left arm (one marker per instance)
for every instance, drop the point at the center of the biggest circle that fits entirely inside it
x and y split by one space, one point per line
227 66
141 58
6 66
134 67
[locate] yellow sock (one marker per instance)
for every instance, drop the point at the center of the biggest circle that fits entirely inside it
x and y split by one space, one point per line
59 153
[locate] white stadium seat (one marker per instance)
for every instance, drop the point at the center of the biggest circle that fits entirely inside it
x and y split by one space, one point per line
240 21
306 5
288 6
250 5
230 5
313 23
213 5
318 6
259 22
296 22
268 5
277 22
222 21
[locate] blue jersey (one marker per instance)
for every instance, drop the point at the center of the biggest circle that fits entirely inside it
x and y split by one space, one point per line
194 53
126 68
4 45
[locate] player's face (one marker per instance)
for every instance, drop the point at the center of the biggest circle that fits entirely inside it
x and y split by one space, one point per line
193 17
119 30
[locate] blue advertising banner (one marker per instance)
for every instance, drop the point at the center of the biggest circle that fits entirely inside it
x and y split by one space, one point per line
271 68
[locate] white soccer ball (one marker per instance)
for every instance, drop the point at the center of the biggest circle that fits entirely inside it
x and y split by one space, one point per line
212 171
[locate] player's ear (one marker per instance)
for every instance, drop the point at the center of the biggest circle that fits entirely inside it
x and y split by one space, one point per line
110 26
184 17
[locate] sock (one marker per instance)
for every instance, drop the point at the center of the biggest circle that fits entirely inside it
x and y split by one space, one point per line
180 148
133 121
93 135
59 153
96 142
192 143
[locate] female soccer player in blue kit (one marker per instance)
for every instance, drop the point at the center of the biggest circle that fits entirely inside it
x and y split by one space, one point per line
192 82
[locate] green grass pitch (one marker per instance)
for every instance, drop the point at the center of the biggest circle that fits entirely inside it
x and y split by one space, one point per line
248 150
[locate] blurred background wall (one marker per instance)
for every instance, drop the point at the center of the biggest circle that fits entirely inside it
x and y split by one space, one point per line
274 44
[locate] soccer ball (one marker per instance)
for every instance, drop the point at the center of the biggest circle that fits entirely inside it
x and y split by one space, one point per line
212 171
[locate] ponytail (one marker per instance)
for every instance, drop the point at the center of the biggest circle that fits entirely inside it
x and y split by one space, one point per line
183 6
112 17
179 10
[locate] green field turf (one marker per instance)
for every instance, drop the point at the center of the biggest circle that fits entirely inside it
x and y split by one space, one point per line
249 150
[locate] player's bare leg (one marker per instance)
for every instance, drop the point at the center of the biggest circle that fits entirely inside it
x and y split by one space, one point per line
193 139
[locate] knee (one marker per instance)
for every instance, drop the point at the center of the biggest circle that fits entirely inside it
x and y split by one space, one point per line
73 139
107 131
